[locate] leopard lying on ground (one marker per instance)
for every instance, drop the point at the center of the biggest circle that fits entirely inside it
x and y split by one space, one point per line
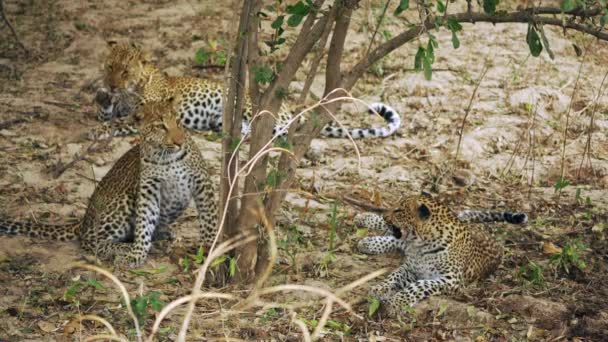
131 79
144 192
441 253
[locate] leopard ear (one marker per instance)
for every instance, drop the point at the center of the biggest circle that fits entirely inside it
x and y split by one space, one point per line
423 212
112 43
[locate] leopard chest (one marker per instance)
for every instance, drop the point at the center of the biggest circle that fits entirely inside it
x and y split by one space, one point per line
175 187
428 258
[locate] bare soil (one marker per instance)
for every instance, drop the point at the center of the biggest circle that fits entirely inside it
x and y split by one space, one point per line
514 146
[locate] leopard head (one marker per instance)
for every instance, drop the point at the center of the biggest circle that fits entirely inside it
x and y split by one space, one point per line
424 217
160 128
125 66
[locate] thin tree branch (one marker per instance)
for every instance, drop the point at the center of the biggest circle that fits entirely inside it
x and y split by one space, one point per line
523 16
8 23
233 116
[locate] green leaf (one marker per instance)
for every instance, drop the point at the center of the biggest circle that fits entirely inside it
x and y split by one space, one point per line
420 54
232 268
299 8
455 41
218 261
454 25
489 6
71 291
567 5
428 72
278 22
201 57
361 232
534 41
560 184
403 5
97 285
440 6
373 307
295 20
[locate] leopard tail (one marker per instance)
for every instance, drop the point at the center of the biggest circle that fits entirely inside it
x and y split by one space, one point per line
390 116
62 232
480 216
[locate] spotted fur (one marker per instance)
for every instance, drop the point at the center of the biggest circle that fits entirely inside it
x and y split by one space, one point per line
441 253
131 79
144 192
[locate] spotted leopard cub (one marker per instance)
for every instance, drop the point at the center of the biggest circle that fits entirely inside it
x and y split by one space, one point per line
144 192
131 79
441 253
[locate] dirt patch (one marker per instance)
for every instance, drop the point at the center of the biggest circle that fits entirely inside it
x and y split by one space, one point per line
510 157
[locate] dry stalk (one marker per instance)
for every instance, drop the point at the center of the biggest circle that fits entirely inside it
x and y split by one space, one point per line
10 27
182 300
587 150
123 291
100 320
468 110
565 139
223 248
324 317
305 333
105 337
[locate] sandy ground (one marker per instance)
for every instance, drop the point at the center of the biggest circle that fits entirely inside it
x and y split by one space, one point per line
510 157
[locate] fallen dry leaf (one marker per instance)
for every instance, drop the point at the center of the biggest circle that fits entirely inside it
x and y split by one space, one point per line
46 326
550 248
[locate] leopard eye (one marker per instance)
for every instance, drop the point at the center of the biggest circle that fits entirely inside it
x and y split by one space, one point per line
109 66
124 73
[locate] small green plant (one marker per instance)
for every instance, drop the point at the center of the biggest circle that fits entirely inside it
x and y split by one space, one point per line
290 243
270 315
570 256
78 286
532 274
262 74
560 184
140 305
211 53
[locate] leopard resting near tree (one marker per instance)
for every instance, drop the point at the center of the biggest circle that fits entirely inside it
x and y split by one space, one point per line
143 193
441 253
131 79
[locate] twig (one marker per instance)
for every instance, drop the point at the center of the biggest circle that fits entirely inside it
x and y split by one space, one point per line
468 110
371 42
3 15
523 16
208 66
28 116
587 150
563 154
365 206
60 168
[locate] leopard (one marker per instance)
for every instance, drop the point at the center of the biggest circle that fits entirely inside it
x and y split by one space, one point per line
131 78
441 252
143 193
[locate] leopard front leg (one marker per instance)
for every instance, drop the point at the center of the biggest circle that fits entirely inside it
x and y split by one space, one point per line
206 206
147 218
418 290
375 245
395 281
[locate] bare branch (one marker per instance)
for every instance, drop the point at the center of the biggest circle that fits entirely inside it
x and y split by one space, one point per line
523 16
10 27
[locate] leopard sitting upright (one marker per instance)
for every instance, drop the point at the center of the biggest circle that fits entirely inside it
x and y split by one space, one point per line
132 79
441 253
144 192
